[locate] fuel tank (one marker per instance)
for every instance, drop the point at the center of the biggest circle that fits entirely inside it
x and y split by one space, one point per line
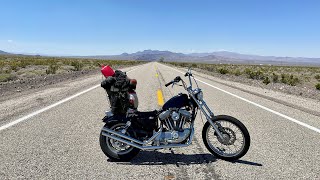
177 101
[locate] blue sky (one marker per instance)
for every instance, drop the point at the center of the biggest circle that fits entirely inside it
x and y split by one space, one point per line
96 27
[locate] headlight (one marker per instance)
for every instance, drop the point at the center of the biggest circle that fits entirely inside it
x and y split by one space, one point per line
199 96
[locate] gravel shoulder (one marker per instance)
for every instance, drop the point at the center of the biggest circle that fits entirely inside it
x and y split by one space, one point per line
11 89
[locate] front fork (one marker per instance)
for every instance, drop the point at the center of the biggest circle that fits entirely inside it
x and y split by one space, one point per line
209 116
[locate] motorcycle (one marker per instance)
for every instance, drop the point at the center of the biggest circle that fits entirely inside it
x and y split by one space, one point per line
124 135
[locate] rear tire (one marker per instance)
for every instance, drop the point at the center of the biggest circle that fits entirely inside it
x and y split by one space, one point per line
109 150
231 136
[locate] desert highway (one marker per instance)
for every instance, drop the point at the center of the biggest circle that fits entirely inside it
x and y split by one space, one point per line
61 141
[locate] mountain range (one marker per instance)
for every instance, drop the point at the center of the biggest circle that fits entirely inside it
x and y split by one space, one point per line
211 57
2 52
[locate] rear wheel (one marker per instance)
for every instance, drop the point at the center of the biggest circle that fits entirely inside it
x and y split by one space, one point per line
115 150
235 142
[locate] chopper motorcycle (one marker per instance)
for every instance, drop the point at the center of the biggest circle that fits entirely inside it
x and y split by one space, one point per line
124 135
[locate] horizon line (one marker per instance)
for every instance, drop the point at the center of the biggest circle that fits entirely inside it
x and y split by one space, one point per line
72 55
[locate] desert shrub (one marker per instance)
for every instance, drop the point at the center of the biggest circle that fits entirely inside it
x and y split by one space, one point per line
2 64
318 86
24 63
7 71
14 66
259 74
41 62
284 78
289 79
7 77
210 68
52 69
77 65
92 67
275 77
317 77
254 74
293 80
97 64
238 72
266 80
223 70
184 64
35 72
248 71
50 65
307 78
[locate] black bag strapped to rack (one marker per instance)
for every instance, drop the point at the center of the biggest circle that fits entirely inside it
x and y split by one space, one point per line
117 88
116 83
121 81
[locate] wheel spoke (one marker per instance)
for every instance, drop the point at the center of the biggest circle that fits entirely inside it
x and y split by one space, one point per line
116 146
235 139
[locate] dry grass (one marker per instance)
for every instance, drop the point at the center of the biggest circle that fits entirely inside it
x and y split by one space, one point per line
14 67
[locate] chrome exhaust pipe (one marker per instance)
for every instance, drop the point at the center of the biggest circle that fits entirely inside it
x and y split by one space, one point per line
122 140
153 137
142 146
121 135
132 139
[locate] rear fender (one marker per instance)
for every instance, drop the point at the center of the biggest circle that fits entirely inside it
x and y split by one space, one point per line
112 120
115 119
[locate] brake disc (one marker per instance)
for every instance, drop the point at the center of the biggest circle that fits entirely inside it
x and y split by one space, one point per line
229 137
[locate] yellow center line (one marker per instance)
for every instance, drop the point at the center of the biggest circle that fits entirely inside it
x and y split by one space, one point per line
160 97
159 92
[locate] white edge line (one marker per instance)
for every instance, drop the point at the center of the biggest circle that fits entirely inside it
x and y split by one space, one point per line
258 105
49 107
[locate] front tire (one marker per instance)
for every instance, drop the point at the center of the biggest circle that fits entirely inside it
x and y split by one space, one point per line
116 150
222 148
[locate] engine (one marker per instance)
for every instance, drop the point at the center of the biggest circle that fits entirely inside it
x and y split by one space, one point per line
175 125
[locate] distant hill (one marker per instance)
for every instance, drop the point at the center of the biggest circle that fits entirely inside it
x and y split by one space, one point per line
213 57
148 55
2 52
224 57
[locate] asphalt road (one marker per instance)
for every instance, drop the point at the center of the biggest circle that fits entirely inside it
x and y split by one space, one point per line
62 142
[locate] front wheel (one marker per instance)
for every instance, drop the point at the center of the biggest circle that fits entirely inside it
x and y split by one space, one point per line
235 142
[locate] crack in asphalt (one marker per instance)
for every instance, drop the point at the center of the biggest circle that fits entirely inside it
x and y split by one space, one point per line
209 169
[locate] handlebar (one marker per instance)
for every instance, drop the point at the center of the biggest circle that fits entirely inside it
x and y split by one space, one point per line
177 79
169 83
